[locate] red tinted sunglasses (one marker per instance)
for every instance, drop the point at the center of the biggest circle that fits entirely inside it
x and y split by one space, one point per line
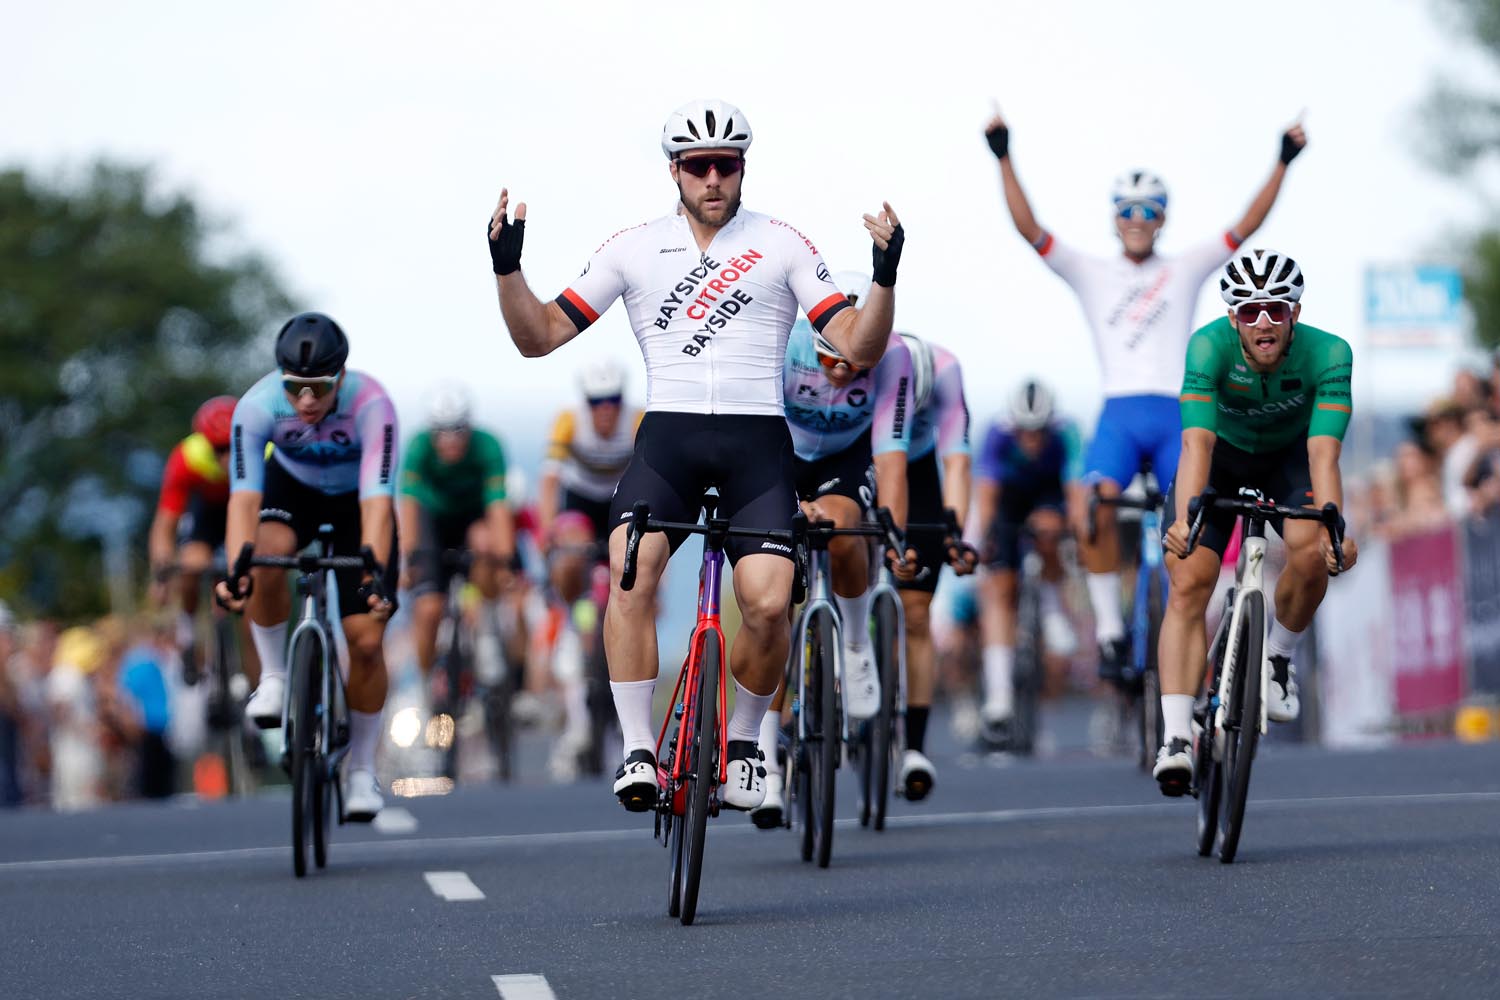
1248 313
699 166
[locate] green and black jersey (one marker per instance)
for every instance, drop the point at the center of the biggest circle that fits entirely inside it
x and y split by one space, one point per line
1307 396
464 487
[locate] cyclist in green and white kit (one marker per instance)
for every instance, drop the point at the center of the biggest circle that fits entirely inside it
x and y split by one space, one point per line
1265 402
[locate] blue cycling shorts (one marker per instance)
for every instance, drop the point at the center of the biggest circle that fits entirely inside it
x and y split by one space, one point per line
1132 429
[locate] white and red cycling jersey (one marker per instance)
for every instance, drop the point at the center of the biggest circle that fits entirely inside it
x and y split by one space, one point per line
1141 315
712 325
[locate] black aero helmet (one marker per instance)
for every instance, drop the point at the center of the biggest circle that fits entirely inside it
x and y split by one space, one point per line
311 344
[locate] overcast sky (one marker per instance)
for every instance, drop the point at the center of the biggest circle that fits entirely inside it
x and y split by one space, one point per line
360 145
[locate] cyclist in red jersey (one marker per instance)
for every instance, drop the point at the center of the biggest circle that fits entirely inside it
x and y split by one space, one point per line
194 498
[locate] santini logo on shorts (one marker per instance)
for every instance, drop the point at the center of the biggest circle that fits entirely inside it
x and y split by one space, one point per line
776 547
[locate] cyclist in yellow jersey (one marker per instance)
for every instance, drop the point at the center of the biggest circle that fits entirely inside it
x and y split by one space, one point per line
588 450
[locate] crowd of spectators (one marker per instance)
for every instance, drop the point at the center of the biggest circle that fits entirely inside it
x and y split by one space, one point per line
85 711
1448 470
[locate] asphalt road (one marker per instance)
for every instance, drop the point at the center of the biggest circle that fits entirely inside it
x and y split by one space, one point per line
1370 873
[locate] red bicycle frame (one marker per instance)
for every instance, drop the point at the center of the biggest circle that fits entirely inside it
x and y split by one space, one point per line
708 629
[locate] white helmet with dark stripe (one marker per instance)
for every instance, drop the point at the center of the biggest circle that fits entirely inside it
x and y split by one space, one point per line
1134 186
1031 406
706 124
1260 275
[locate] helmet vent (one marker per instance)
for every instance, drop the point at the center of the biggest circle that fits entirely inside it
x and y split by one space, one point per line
708 116
693 129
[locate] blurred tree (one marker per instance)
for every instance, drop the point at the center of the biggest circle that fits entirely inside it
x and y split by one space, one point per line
1466 127
117 318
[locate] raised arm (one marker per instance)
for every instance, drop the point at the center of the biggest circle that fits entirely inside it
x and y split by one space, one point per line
862 334
997 134
538 328
1292 142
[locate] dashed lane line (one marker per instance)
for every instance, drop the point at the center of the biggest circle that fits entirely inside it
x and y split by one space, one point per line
455 887
525 986
367 850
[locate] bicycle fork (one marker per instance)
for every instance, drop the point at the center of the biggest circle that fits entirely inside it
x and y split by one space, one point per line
1251 579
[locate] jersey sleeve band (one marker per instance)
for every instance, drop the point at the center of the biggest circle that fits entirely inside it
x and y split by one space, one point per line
577 310
824 311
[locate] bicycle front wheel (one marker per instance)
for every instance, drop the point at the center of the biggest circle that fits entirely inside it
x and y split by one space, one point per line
1027 676
702 725
1242 724
823 738
883 727
302 736
1153 729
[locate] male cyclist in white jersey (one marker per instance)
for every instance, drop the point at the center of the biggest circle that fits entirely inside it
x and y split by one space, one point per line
712 291
1139 307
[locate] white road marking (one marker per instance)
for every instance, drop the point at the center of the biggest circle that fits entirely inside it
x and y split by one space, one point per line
374 849
455 887
528 986
394 820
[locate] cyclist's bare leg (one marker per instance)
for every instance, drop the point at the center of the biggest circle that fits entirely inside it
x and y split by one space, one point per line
270 601
426 616
630 636
193 560
763 591
999 591
1183 646
1101 558
917 605
1304 581
1049 526
367 688
486 574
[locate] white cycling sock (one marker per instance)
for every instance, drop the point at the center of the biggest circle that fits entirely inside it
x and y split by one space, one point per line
633 706
184 630
270 646
1282 641
854 613
1104 595
1051 595
999 695
1177 717
770 729
749 711
364 736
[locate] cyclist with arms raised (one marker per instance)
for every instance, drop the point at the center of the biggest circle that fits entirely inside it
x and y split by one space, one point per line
334 462
453 499
1265 403
195 483
1139 307
1025 467
843 418
712 291
938 477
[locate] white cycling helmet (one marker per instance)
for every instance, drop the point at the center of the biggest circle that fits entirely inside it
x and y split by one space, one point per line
1139 187
448 407
921 366
602 379
1031 406
706 124
855 284
1260 275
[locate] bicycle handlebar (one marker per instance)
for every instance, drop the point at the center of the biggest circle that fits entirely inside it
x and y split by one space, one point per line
1151 501
642 522
304 562
1262 509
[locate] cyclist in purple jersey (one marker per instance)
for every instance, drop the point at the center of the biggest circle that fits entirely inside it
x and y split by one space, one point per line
711 291
842 419
333 461
1139 308
939 437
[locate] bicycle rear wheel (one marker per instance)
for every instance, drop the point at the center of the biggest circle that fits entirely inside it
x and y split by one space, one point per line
702 722
452 666
883 727
1242 725
302 736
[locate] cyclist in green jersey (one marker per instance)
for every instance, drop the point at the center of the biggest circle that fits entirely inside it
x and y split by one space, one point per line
453 499
1265 402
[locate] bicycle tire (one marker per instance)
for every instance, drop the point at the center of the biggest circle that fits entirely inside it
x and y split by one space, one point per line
500 725
1153 727
799 756
302 737
825 745
1205 767
322 780
703 772
883 729
1027 675
1241 738
861 753
452 666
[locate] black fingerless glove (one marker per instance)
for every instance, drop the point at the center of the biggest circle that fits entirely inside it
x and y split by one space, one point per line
887 260
505 249
999 140
1289 148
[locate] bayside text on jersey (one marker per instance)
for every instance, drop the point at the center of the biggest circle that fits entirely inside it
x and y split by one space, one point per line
713 325
353 447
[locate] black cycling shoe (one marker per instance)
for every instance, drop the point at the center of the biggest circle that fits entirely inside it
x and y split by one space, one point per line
635 781
1114 656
